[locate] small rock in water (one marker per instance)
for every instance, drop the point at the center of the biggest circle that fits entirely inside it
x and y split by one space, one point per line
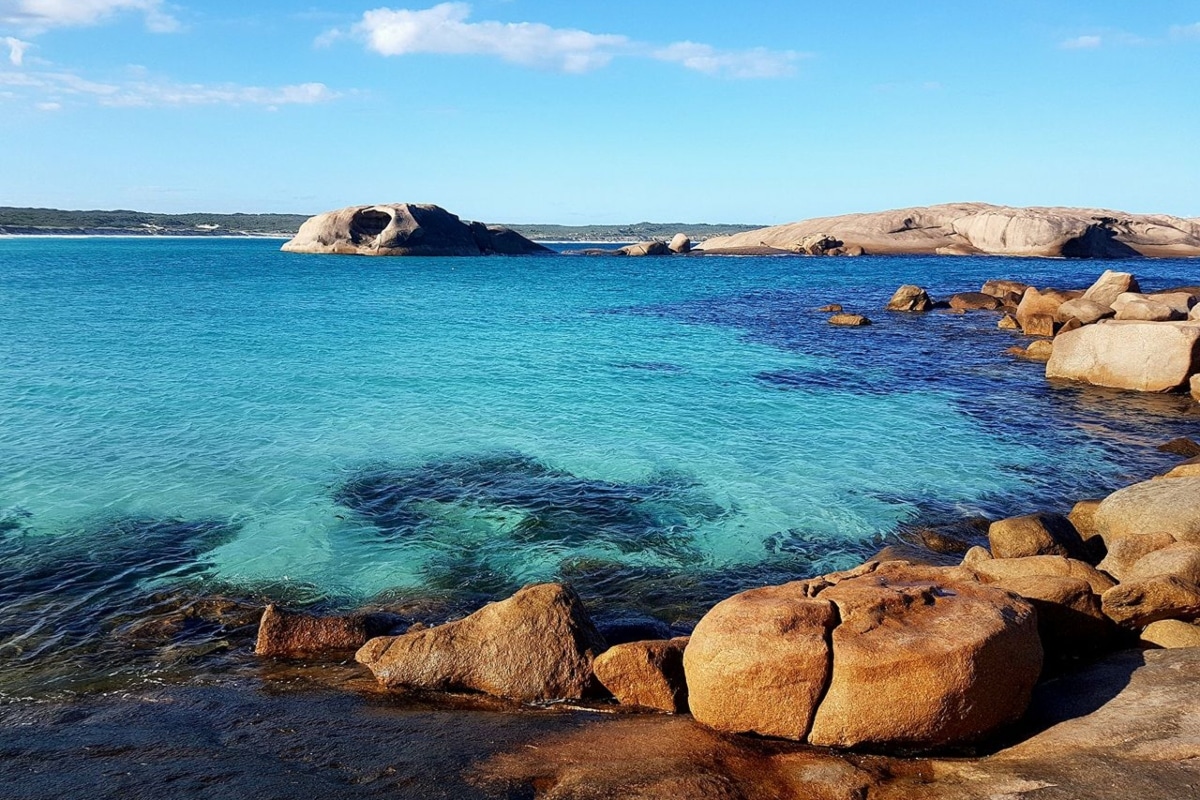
849 320
910 298
1183 446
290 634
975 301
1008 323
832 308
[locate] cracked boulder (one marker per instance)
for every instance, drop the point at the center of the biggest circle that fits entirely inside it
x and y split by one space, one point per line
405 229
889 654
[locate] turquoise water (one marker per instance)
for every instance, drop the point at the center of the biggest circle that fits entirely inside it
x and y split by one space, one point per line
661 431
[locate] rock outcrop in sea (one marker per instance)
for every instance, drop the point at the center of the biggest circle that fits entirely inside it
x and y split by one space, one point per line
978 228
405 229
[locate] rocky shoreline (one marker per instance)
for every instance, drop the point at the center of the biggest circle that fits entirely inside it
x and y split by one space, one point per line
1058 661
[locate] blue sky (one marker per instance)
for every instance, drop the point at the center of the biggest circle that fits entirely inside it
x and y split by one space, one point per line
621 111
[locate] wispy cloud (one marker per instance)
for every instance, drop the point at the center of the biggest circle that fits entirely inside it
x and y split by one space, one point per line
756 63
1082 43
446 29
16 50
39 15
55 89
1186 31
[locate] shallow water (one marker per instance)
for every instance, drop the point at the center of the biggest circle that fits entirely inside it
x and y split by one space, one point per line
226 418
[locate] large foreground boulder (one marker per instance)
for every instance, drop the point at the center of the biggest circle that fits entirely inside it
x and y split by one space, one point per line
405 229
1142 356
888 654
538 644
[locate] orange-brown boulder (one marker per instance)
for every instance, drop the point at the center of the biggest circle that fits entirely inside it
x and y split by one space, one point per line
975 301
911 299
1041 303
648 674
1001 569
759 662
1002 288
1137 604
291 634
1039 534
1171 633
849 320
925 657
538 644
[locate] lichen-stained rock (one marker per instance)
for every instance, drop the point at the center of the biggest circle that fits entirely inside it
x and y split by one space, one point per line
1039 534
538 644
648 674
404 229
1109 286
291 634
910 298
925 657
759 662
1154 506
1137 604
995 570
1142 356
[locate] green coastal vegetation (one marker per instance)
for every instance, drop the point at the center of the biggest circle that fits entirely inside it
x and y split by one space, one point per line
52 221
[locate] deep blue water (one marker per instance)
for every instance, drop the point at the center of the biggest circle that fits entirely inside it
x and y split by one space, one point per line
661 432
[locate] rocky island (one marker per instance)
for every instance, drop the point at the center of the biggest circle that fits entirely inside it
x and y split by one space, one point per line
979 229
405 229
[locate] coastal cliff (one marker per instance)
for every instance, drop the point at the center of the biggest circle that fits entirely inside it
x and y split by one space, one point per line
983 229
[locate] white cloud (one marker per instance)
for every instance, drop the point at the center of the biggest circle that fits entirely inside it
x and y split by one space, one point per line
1186 31
756 63
40 15
16 50
1082 43
445 29
52 89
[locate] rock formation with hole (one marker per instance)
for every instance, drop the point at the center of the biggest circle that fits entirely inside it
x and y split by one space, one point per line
405 229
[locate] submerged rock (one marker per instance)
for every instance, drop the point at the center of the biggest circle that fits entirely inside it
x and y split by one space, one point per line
405 229
975 301
538 644
849 320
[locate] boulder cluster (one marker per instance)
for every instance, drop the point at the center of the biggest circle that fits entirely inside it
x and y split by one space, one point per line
1110 334
894 653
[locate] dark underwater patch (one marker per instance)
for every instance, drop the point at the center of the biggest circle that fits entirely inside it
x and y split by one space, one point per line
552 505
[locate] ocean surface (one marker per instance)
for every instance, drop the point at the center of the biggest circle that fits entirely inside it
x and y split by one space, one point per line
187 419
